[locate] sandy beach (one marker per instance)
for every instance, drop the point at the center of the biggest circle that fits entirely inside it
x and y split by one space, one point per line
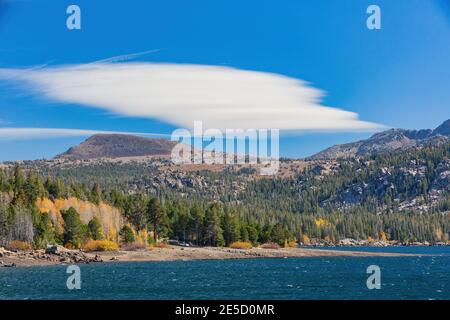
173 253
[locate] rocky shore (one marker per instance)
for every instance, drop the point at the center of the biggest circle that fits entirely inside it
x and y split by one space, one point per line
50 256
366 243
54 255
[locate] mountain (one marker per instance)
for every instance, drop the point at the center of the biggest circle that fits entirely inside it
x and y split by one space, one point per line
118 146
443 129
390 140
382 198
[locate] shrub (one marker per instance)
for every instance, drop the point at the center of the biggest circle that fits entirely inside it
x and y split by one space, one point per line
135 246
100 245
241 245
290 244
19 245
270 245
306 240
160 245
70 246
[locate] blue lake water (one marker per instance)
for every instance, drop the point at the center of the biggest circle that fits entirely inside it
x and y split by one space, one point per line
418 277
429 250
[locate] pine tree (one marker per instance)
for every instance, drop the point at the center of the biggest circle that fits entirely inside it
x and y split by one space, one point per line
155 215
95 229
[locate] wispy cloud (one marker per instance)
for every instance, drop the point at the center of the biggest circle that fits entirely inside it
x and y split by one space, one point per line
126 57
222 97
44 133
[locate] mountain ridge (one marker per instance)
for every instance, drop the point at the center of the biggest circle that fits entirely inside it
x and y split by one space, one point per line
386 141
123 146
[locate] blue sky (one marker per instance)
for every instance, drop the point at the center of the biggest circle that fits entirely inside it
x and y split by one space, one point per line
396 76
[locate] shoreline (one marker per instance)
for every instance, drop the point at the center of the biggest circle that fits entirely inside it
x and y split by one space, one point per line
174 253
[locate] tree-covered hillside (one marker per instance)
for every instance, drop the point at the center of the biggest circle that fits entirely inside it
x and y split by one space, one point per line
401 196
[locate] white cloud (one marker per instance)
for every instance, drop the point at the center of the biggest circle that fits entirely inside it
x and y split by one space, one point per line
179 94
40 133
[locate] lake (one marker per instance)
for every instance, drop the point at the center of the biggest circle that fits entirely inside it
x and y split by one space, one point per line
418 277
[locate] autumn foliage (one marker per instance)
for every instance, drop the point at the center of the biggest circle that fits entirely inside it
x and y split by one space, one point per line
160 245
100 245
19 245
270 245
241 245
305 239
290 244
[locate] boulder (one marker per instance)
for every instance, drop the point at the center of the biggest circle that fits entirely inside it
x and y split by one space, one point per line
348 242
4 252
9 265
97 258
55 249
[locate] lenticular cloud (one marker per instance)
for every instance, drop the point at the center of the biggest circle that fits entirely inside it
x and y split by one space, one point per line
179 94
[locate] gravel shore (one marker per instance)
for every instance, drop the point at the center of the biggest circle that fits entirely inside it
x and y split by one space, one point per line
171 253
